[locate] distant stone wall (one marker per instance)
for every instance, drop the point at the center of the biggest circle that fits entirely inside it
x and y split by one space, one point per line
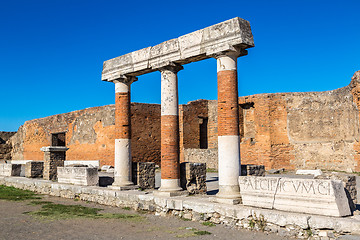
293 130
5 146
282 130
208 156
90 134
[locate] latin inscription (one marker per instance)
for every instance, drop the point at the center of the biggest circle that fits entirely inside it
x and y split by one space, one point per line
279 185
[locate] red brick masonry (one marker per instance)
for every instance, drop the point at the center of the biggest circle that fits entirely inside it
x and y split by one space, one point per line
228 108
170 147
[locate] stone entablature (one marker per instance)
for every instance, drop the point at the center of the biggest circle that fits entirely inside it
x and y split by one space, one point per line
323 197
192 47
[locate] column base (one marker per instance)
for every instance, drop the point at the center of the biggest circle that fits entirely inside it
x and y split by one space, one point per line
160 193
230 201
123 188
229 194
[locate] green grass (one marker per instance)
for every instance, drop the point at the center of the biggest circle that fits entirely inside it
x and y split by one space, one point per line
207 223
211 170
14 194
194 232
51 210
126 208
202 233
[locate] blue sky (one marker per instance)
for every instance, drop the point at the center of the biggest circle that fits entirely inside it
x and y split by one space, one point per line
51 52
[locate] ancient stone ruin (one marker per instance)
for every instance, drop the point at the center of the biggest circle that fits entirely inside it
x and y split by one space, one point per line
266 131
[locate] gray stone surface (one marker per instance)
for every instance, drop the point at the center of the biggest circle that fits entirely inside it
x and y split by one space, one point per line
208 156
193 177
143 174
34 169
8 169
85 176
197 209
54 157
349 182
323 197
252 170
195 46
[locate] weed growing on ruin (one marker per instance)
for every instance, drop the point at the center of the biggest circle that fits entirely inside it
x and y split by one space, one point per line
202 233
194 232
211 170
309 232
207 223
260 222
54 211
15 194
126 208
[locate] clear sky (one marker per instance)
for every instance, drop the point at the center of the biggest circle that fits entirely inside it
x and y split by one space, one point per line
52 51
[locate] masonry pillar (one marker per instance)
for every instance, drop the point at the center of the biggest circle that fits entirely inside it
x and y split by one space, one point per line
122 174
170 166
228 127
54 156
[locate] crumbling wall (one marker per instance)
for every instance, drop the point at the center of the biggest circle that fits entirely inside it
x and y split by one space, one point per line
5 145
295 130
90 134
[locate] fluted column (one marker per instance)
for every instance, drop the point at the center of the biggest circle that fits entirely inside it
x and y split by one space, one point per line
122 174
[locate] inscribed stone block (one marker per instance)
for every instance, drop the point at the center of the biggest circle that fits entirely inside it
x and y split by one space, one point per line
324 197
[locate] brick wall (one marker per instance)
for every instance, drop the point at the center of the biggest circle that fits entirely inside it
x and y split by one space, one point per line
90 134
294 130
290 130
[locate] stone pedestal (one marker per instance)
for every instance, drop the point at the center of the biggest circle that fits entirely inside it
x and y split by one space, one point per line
53 157
34 169
193 177
143 174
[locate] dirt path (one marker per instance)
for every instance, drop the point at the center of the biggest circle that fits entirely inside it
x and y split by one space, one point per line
14 224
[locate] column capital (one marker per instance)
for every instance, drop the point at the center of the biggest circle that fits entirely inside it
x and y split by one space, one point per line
170 66
234 53
128 80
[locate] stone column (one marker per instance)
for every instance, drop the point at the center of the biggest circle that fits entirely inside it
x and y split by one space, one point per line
54 156
228 127
122 174
170 166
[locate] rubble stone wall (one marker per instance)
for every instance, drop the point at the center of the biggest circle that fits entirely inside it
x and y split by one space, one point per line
295 130
90 134
281 130
5 146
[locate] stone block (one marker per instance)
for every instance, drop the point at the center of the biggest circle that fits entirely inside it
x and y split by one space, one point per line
349 182
316 172
85 176
34 169
193 177
89 163
143 174
252 170
323 197
8 169
195 46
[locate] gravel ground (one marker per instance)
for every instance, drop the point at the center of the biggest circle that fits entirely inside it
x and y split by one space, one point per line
14 224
